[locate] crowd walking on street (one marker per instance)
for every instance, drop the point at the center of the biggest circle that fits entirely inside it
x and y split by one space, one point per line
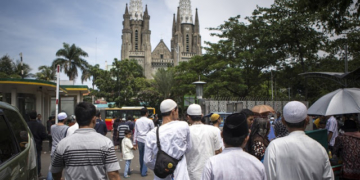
193 150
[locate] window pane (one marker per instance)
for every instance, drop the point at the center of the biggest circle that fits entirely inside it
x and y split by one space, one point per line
7 146
109 114
19 128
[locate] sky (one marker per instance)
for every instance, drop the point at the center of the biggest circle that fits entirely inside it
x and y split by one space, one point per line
38 28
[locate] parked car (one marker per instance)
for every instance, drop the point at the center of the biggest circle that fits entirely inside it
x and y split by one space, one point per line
17 146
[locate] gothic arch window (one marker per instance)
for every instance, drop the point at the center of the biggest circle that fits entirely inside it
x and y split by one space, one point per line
187 43
136 39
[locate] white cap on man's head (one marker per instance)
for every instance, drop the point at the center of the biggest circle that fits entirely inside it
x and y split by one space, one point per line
294 112
167 105
62 116
194 110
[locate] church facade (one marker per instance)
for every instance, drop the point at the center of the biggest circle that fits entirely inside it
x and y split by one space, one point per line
185 41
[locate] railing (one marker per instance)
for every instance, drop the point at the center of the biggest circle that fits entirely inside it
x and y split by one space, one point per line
137 53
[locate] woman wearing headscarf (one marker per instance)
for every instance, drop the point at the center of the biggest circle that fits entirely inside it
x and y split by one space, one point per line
258 137
280 129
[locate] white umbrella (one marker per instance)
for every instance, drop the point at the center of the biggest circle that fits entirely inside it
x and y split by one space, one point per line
341 101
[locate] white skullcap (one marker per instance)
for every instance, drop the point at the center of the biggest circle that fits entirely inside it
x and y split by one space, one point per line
194 110
62 116
167 105
294 112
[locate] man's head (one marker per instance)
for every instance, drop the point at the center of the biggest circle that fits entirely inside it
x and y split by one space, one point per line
235 132
98 114
278 114
215 118
144 112
168 107
129 118
194 113
32 114
295 115
52 118
249 116
39 116
62 117
85 114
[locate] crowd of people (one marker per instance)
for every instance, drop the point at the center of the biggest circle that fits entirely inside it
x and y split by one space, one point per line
194 150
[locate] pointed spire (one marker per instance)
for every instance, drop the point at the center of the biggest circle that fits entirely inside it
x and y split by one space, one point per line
178 21
197 25
174 26
146 11
126 10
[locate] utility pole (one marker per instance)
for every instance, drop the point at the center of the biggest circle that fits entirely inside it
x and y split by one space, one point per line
22 68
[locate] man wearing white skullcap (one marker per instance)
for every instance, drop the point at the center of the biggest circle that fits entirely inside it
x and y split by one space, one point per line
296 156
174 137
205 142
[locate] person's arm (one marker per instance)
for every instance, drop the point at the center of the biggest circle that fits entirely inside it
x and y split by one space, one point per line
149 159
330 136
135 136
207 172
43 133
217 142
114 175
328 173
57 164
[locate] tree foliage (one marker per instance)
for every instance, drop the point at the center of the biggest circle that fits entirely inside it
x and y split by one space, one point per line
11 69
70 58
46 73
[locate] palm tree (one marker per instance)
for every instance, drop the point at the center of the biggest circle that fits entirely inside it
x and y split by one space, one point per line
25 67
70 59
164 80
46 73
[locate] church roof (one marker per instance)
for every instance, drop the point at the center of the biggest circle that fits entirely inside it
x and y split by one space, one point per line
161 43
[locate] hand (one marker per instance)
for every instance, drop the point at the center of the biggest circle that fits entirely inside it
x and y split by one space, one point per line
135 147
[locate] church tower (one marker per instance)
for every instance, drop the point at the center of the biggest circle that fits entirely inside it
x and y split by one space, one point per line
136 36
186 39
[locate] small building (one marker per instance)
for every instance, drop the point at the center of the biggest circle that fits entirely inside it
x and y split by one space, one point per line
39 95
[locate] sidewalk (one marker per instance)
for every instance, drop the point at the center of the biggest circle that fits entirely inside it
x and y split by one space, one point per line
45 162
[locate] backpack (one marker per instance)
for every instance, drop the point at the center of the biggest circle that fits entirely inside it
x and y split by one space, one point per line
165 165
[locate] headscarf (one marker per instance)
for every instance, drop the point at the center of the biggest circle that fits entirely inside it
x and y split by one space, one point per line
259 131
280 129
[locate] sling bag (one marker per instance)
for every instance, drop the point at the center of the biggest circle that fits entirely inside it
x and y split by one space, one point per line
165 165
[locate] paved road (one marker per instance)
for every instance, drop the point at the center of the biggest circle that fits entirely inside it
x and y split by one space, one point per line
45 162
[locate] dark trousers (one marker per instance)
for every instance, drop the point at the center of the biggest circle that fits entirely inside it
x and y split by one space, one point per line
143 168
38 161
120 143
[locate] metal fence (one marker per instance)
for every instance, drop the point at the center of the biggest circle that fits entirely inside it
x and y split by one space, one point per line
231 105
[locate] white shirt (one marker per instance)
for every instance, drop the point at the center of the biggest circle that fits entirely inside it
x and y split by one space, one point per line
332 125
174 140
205 141
142 126
233 164
126 147
221 139
297 156
72 129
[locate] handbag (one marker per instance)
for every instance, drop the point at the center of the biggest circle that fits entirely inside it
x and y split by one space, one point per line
165 165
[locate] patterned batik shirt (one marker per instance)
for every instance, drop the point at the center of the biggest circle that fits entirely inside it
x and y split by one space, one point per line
347 146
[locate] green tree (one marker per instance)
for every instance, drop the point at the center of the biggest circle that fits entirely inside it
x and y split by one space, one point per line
11 69
70 58
46 73
164 81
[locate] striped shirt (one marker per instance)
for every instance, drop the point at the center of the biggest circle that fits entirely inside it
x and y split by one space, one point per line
85 154
121 129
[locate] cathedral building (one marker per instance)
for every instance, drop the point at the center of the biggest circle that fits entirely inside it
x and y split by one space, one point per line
185 41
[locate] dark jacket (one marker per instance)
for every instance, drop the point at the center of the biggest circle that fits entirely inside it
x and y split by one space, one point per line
100 127
130 124
39 133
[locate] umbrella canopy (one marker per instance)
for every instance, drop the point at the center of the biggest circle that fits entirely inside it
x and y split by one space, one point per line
260 109
341 101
